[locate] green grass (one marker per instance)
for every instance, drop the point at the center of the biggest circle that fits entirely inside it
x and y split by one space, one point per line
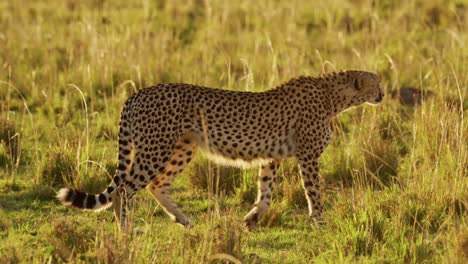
396 185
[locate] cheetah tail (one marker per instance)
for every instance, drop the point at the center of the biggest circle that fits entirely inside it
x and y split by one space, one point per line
85 201
96 202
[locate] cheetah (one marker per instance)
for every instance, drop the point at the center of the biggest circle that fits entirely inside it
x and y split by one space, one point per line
162 126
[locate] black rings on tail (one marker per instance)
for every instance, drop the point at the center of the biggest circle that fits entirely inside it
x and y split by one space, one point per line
85 201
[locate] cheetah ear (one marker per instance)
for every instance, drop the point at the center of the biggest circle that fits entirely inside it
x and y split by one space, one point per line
359 81
356 83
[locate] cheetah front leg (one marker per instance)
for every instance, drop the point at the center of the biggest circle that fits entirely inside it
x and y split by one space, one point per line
311 183
266 182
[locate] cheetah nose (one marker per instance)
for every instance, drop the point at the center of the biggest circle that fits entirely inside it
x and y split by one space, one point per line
380 98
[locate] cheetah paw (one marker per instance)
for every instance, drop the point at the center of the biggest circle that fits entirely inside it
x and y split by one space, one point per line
318 220
250 221
137 231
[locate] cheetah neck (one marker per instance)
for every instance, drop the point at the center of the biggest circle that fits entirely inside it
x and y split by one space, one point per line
335 98
325 94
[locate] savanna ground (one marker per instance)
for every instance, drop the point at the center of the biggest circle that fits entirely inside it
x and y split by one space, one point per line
396 185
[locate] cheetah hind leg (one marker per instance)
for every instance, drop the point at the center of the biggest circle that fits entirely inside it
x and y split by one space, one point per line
159 188
135 181
142 172
119 203
266 182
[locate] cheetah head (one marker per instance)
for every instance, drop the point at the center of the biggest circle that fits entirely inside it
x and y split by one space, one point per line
367 88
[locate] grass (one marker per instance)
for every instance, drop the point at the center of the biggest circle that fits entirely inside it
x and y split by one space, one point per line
395 176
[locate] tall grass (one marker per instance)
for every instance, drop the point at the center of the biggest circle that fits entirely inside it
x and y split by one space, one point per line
395 176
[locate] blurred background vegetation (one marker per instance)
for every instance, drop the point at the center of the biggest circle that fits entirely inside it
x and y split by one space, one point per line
396 176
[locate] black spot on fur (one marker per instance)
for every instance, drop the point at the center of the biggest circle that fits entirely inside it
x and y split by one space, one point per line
117 180
121 167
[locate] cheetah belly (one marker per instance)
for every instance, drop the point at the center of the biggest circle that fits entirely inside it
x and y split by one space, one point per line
236 162
252 157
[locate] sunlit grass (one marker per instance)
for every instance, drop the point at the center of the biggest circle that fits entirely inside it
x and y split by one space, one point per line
395 176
